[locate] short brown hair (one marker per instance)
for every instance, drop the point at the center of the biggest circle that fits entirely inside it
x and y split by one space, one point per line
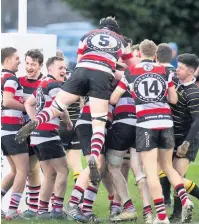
7 52
148 48
36 55
135 47
59 54
51 60
164 53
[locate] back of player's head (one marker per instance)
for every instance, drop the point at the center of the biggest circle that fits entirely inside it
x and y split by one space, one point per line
135 47
109 23
164 53
7 52
51 61
35 54
59 54
190 60
148 48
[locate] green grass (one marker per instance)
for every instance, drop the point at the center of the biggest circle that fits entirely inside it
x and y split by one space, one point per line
101 207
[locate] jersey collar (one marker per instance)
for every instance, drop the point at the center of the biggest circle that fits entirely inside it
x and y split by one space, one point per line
7 70
50 76
189 83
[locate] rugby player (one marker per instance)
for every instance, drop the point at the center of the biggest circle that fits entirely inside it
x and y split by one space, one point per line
186 123
11 122
98 53
46 142
33 64
151 86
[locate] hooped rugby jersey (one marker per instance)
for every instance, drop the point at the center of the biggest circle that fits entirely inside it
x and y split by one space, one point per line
11 119
29 85
101 49
85 115
124 111
45 94
187 107
149 83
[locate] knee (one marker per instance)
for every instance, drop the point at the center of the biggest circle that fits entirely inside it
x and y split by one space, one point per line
34 172
114 161
125 165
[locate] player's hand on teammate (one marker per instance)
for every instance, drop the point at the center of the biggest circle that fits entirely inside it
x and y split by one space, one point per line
182 149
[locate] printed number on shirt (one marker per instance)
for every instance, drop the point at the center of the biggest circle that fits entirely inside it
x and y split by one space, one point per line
150 87
103 41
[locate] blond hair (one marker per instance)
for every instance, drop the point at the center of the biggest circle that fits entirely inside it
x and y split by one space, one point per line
148 48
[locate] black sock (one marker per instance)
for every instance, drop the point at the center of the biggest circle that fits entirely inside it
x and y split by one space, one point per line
165 188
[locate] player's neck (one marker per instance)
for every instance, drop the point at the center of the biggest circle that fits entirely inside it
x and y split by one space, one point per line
187 80
34 77
7 68
166 64
147 58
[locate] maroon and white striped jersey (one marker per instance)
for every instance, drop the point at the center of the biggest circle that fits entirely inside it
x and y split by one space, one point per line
85 115
11 120
124 111
101 49
29 85
149 83
45 94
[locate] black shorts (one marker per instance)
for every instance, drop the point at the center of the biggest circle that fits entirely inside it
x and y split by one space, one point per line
49 150
84 134
120 137
10 147
69 139
30 148
193 148
147 139
85 81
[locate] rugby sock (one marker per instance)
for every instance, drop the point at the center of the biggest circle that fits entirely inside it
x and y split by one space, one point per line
166 186
32 197
177 206
181 192
44 116
115 207
160 208
128 205
89 198
3 192
192 189
15 200
76 195
43 207
97 142
147 209
110 197
58 203
75 176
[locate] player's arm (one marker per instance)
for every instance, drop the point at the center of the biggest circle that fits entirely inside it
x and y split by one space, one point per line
119 91
80 50
172 96
30 106
9 101
193 106
66 119
81 103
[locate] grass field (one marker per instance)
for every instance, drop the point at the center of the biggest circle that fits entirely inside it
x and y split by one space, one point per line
101 207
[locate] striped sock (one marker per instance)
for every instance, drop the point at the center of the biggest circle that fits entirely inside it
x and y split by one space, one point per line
58 204
128 205
15 200
76 195
181 192
97 142
44 116
43 207
147 209
192 189
89 198
160 208
115 207
75 176
32 197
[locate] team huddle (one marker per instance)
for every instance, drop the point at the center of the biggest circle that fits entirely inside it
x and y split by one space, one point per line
124 107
